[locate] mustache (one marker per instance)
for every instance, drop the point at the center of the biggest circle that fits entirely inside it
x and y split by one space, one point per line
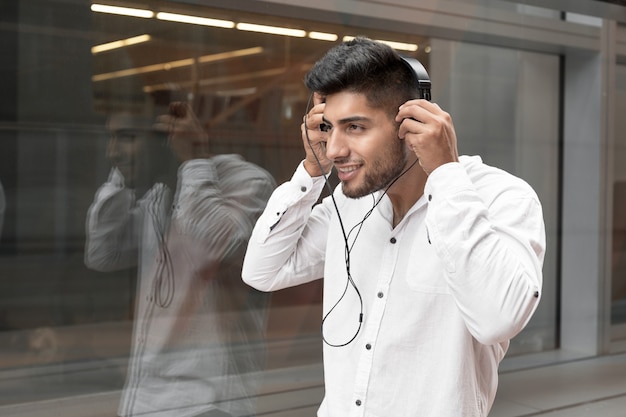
344 161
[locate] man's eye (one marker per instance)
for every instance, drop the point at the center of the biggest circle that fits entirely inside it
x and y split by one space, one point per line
125 137
325 127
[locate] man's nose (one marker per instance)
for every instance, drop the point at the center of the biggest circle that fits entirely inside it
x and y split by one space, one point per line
112 150
336 145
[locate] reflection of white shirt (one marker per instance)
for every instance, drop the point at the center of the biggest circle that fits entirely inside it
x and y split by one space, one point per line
443 291
195 322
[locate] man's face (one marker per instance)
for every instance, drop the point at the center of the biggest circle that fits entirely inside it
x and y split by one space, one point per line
126 150
363 144
128 145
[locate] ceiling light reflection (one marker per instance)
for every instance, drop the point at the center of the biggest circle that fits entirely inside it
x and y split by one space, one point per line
321 36
228 79
401 46
230 54
120 43
273 30
195 20
126 11
166 66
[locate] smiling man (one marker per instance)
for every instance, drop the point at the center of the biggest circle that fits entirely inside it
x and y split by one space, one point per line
431 262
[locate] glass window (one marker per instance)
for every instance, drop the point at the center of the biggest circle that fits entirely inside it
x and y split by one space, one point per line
505 105
618 287
92 178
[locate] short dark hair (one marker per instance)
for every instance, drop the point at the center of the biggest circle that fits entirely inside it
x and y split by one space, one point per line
367 67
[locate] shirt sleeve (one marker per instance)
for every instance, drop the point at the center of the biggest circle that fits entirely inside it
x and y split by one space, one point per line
112 227
288 242
490 236
218 214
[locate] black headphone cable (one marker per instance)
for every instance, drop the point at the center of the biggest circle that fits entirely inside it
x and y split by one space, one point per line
348 247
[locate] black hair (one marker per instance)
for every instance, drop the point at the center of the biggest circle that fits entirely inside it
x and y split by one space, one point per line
367 67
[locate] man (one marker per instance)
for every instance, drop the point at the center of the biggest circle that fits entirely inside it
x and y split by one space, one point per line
431 262
198 330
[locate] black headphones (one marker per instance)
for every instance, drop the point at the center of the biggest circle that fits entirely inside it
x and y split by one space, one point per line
421 76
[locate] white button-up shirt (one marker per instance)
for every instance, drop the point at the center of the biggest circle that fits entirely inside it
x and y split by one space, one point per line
442 293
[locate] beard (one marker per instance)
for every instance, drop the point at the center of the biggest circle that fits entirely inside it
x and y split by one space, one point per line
381 172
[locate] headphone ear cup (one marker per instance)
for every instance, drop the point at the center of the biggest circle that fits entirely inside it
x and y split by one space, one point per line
421 76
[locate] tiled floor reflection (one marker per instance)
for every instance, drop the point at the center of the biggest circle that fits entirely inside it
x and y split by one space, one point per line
293 387
593 387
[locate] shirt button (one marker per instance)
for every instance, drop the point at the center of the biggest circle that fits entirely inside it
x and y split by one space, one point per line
392 240
368 346
303 188
380 294
358 402
430 197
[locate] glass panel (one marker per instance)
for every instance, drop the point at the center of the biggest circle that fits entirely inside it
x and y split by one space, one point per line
618 287
80 127
505 105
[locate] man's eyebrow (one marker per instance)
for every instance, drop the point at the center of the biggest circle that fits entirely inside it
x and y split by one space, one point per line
346 120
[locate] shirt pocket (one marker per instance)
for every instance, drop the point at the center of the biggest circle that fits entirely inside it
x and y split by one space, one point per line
425 271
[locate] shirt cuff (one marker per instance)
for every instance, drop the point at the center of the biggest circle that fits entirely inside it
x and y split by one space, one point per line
114 185
301 186
296 195
196 171
304 179
450 177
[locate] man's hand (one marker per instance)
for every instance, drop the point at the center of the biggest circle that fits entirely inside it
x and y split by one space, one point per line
429 132
187 138
315 163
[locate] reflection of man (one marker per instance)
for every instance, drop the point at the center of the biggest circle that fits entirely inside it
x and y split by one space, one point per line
431 262
193 352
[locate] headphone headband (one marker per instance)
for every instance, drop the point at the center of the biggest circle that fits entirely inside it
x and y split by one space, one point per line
421 76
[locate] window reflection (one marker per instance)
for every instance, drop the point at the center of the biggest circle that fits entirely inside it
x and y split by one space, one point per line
182 215
618 258
618 288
